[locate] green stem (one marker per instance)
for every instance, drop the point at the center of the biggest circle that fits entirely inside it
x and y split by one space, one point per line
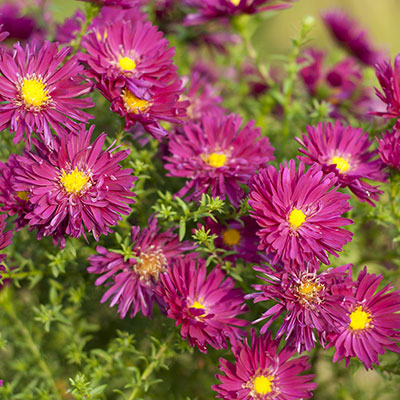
35 350
151 367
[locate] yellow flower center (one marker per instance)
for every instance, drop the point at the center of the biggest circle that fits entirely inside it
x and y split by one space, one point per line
23 195
262 384
127 64
133 104
74 182
231 237
216 160
199 306
296 218
341 164
359 319
235 2
152 263
34 92
308 291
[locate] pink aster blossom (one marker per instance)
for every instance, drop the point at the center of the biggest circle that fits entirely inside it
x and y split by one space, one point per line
206 306
344 150
299 213
77 186
372 325
132 281
389 148
310 302
116 3
261 372
38 92
217 154
5 237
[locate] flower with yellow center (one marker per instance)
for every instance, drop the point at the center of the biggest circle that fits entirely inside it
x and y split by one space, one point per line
34 93
341 164
359 319
216 160
151 264
133 104
126 64
296 218
231 237
75 182
259 386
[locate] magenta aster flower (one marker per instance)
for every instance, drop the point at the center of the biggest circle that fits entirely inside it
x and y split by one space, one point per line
348 34
389 148
13 201
76 186
132 281
299 216
373 322
310 302
116 3
389 80
344 151
216 154
206 306
38 92
260 372
70 28
5 237
208 10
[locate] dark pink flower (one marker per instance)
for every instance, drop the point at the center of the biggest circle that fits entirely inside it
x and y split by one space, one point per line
261 372
5 237
389 148
206 306
300 217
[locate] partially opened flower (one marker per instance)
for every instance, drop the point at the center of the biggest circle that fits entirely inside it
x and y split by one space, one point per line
372 325
344 150
389 148
206 306
310 302
348 34
40 93
299 213
217 154
262 372
77 186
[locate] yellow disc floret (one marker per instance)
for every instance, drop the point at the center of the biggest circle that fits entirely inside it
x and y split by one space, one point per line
198 306
296 218
359 319
216 160
262 384
341 164
127 64
75 181
231 237
34 92
133 104
235 2
23 195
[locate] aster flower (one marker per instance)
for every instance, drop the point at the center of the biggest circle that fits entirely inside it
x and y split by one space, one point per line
70 28
299 216
206 306
260 372
13 202
310 302
348 34
5 237
39 93
209 10
344 151
389 148
76 186
389 80
216 154
115 3
373 322
238 236
132 281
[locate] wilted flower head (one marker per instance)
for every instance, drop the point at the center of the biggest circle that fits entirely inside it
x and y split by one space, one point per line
344 151
372 325
216 154
39 92
348 34
132 280
310 302
208 10
76 186
299 216
206 306
389 148
260 372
